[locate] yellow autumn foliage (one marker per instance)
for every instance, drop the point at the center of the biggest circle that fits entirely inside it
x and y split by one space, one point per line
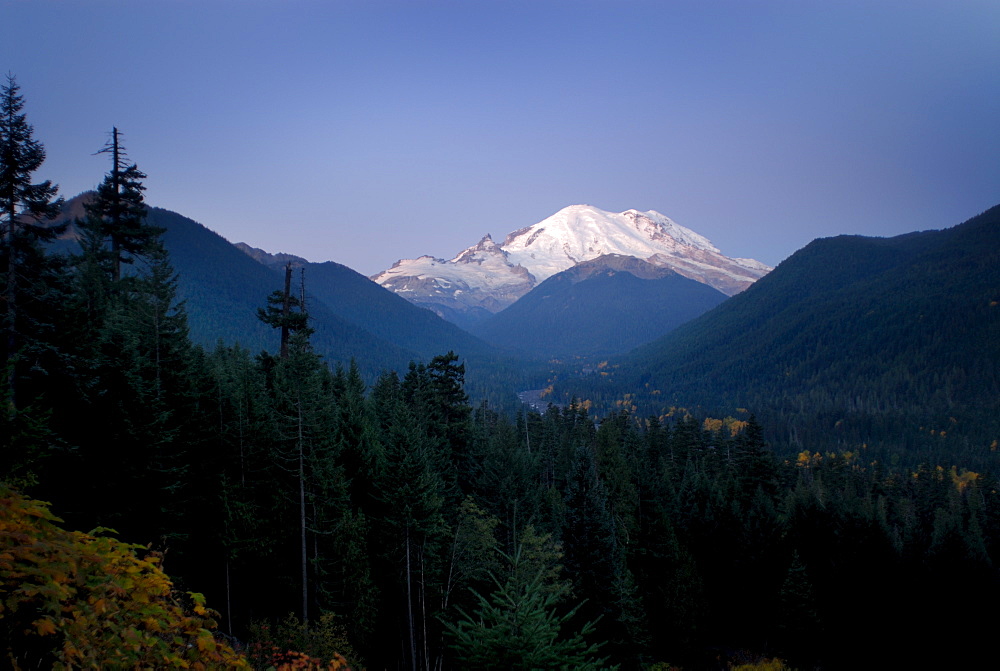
713 425
75 600
806 459
763 665
963 479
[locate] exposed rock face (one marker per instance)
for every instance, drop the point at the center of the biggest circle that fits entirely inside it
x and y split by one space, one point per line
479 279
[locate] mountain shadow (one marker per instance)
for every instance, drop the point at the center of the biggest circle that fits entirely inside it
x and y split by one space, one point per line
597 308
221 289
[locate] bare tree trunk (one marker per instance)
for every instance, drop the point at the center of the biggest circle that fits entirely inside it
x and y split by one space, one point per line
527 436
229 607
302 515
409 604
11 306
286 308
423 609
116 207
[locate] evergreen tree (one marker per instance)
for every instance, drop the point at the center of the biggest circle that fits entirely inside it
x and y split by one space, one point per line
595 560
117 214
616 451
29 277
141 420
358 450
519 627
138 416
244 518
506 474
436 396
754 463
306 449
799 625
287 312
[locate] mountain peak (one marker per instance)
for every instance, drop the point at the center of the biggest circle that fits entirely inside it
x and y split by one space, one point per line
582 232
492 276
474 254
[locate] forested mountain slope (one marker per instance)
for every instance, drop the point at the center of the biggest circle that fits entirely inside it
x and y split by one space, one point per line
851 340
403 525
222 288
605 306
493 372
356 298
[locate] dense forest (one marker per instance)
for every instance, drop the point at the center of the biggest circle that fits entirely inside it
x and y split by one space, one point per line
310 520
892 344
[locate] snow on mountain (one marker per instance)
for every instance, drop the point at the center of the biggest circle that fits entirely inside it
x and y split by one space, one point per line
480 277
489 277
580 233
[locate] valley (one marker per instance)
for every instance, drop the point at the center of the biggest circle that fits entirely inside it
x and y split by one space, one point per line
622 442
499 336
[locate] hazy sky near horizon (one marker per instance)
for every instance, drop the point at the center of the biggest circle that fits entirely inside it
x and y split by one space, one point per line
365 132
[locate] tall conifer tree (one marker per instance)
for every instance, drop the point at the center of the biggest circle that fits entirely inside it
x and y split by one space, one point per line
26 209
117 214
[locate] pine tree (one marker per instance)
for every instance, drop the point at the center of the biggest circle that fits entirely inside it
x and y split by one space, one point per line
519 627
287 312
358 448
306 454
439 403
413 525
139 417
33 292
754 463
29 276
595 559
305 420
117 214
140 397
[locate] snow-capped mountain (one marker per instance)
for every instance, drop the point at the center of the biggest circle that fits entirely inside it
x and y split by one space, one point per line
475 284
487 277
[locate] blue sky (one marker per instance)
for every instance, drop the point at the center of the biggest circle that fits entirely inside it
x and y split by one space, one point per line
365 132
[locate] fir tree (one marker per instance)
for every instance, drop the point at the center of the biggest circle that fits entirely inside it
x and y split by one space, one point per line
287 312
304 415
519 627
117 214
26 209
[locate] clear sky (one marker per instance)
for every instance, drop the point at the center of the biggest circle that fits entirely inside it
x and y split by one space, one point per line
365 132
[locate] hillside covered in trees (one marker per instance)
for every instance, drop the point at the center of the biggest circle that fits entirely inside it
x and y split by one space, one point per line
402 524
354 319
890 343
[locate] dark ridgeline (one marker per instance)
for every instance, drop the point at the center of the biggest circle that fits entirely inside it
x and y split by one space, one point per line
598 308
